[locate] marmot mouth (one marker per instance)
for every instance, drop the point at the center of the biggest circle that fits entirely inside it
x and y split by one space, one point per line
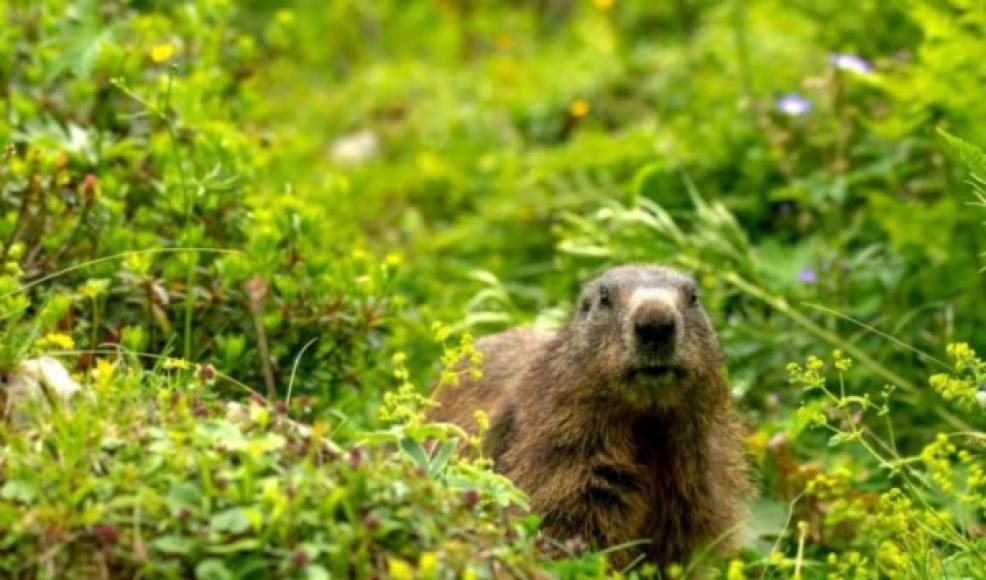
652 371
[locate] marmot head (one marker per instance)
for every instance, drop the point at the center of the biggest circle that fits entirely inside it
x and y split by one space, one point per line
639 332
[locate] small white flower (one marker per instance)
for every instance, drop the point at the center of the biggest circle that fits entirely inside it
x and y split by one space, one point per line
851 63
356 148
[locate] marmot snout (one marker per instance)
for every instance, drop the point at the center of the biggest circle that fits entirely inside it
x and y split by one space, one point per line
618 425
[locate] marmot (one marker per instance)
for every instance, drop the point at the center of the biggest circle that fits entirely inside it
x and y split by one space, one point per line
619 425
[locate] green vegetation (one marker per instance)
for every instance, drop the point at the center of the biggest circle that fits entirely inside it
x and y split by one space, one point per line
308 210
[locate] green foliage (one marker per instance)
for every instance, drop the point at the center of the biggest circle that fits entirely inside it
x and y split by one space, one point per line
156 476
205 200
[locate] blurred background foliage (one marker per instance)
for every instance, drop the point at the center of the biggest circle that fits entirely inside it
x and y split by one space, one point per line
294 193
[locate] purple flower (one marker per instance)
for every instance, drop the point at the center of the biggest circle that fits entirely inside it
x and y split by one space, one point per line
851 63
793 104
808 276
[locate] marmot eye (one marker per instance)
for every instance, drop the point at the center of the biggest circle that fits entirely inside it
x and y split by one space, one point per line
604 299
692 297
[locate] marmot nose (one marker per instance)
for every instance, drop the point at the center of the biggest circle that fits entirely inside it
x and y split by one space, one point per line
654 331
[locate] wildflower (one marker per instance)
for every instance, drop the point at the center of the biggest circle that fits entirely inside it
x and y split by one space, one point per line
356 148
299 559
793 105
756 444
57 340
470 498
89 186
399 569
851 63
94 288
319 428
441 331
371 522
107 533
259 414
962 392
355 458
962 354
841 362
176 363
162 53
604 4
735 570
103 372
808 276
814 363
205 373
579 108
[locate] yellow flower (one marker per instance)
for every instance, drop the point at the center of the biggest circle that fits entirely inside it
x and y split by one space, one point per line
162 53
59 340
259 415
604 4
428 565
399 569
103 372
735 570
841 362
756 444
176 363
579 108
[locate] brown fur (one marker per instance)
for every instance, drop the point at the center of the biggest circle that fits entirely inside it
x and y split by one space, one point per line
607 456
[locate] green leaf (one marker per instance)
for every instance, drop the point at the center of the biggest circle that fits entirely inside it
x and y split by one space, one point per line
971 156
316 572
244 545
414 450
433 430
176 545
233 520
18 490
184 495
442 457
212 569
